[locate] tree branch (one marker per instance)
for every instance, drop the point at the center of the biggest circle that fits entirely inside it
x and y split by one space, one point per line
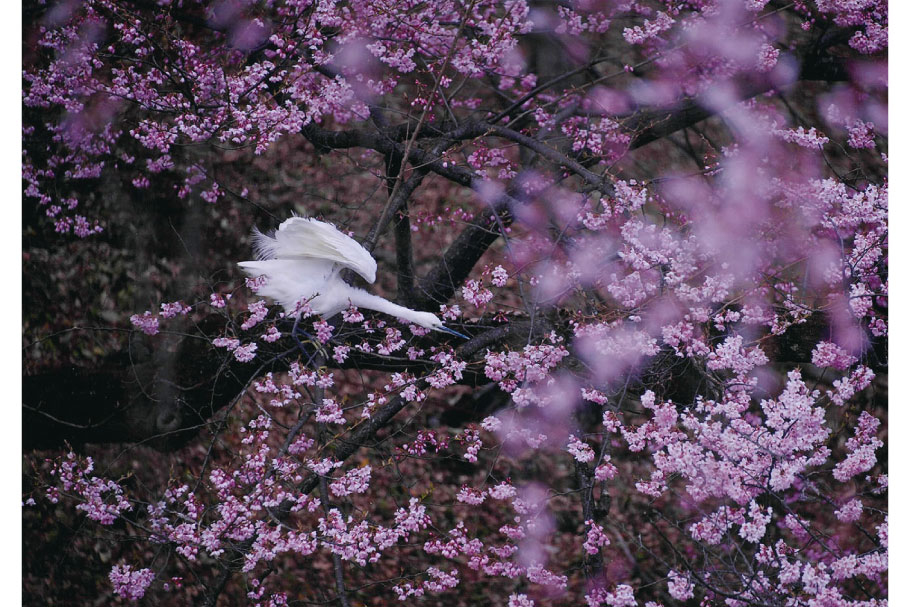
456 264
404 258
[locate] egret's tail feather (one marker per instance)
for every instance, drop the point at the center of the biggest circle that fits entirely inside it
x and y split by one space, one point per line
265 246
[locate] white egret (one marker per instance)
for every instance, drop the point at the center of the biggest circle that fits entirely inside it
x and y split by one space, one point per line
302 261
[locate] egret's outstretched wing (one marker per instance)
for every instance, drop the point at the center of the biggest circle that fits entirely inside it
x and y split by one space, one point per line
302 238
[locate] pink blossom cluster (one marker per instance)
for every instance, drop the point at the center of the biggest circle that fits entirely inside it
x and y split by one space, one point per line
622 596
679 586
355 481
475 293
861 449
602 138
596 538
802 137
130 584
580 450
827 354
329 412
262 483
424 439
258 311
102 500
640 34
532 364
147 323
439 581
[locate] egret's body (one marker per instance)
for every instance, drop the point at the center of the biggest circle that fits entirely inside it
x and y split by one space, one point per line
302 261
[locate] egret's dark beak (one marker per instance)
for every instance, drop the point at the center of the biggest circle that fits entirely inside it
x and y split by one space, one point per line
445 329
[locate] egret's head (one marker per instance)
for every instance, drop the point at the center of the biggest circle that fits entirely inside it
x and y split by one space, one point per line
430 321
427 320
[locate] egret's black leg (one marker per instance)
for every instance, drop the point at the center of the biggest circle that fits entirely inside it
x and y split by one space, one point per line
294 334
312 340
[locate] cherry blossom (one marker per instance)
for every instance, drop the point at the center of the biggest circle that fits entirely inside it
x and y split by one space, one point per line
662 227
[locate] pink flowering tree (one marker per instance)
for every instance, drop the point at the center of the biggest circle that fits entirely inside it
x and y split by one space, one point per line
662 225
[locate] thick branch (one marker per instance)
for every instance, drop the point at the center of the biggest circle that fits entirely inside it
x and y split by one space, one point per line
651 124
168 398
404 259
456 264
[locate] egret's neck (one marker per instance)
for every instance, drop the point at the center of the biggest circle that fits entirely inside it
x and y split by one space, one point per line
362 299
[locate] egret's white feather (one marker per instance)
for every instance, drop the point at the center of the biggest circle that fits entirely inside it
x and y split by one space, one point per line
290 280
302 238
